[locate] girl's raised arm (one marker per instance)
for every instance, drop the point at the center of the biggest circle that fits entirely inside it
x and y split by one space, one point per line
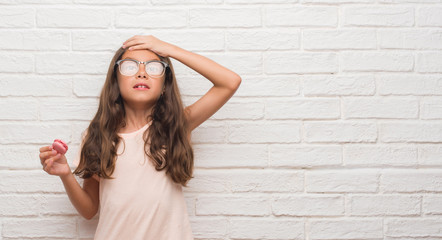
225 83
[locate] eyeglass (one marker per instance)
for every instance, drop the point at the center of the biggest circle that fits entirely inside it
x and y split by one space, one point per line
129 67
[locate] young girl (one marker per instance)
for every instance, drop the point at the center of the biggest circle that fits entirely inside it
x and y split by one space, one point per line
135 156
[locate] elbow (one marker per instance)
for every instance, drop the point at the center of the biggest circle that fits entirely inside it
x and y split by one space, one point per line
235 83
89 216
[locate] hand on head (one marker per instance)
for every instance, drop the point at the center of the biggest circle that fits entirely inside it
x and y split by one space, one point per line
149 42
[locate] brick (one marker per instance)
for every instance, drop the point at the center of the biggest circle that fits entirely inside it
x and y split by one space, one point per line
259 86
75 63
19 205
322 132
432 204
209 227
247 63
369 16
303 109
409 1
20 156
68 109
264 132
341 181
74 17
241 180
17 17
338 1
104 2
194 39
236 206
56 205
236 110
35 40
29 181
258 1
230 156
10 61
385 205
308 205
18 109
216 17
402 84
333 85
92 40
411 181
291 155
305 62
427 62
376 156
40 227
267 39
410 39
410 132
187 87
209 133
430 155
301 17
339 39
387 108
266 229
38 86
33 133
353 228
413 227
431 108
429 16
87 228
377 61
150 18
87 87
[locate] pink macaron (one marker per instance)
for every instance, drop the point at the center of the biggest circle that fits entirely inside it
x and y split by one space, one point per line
60 146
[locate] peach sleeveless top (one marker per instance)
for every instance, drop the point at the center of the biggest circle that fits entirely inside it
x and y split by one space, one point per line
140 202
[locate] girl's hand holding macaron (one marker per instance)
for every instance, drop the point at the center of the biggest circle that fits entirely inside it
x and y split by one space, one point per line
53 160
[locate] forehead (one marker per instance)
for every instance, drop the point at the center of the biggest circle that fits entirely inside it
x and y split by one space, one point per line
140 55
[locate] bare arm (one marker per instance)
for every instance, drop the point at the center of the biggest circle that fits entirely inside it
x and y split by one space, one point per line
86 199
225 83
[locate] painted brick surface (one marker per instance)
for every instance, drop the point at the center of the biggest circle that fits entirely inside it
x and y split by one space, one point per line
334 133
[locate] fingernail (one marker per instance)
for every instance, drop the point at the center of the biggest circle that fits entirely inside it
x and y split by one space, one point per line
123 46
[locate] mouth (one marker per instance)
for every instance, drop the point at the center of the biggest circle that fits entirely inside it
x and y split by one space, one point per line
141 86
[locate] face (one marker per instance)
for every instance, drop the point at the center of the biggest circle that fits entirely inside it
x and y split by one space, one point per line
140 97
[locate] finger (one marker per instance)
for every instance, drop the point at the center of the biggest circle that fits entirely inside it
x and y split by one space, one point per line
129 39
136 47
46 148
44 156
129 43
56 157
133 42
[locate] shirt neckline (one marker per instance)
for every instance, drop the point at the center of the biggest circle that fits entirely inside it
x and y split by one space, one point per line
136 131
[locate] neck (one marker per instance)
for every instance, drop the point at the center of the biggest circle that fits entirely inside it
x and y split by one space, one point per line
137 117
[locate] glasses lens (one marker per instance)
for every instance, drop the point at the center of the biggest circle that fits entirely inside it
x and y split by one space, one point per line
128 67
155 69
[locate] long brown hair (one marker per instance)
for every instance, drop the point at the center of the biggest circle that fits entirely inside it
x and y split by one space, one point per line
166 139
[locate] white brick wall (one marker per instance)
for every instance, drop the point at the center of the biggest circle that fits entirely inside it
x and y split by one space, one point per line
334 133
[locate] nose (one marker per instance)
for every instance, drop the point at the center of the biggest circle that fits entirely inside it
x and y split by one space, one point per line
142 71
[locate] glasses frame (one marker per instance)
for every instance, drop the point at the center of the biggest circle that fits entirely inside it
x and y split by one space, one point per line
165 65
